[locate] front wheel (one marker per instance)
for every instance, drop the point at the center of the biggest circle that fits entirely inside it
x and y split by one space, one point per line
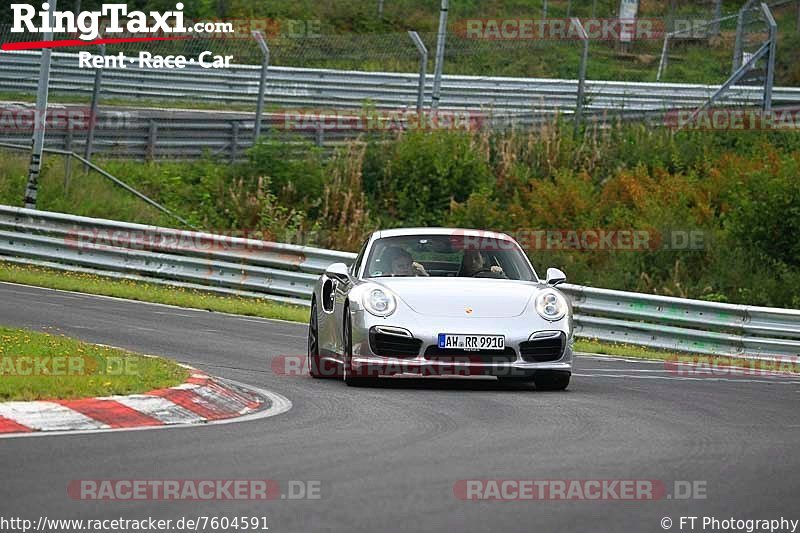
313 343
551 379
347 371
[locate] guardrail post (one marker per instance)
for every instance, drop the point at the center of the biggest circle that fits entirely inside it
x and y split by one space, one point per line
68 159
98 81
544 9
769 78
152 139
594 8
262 87
582 74
440 43
569 8
423 68
320 135
234 141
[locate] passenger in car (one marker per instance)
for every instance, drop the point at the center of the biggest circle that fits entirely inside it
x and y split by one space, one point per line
401 263
473 263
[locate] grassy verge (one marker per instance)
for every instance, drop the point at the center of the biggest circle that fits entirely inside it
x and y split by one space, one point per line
41 366
786 365
621 350
149 292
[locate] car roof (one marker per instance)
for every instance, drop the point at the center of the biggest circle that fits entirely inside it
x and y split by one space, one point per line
407 232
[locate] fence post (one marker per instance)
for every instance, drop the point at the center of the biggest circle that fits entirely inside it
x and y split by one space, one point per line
440 43
423 68
737 47
262 87
98 81
798 15
380 9
717 16
569 8
769 78
662 65
152 139
594 8
582 73
32 188
544 9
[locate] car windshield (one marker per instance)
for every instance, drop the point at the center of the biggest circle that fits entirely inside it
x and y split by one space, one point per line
447 256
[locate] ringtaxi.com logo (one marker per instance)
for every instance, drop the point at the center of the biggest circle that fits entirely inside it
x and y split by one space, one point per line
87 23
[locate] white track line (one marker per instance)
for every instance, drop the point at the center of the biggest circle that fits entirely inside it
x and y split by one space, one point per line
685 378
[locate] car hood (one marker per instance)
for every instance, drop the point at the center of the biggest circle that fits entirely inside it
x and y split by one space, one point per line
462 297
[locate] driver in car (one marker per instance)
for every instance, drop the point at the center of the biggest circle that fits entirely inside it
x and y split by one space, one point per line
402 264
473 263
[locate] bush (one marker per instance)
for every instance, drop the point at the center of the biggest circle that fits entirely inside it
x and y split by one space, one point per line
425 171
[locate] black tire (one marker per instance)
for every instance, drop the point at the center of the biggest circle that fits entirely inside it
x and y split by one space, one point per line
551 380
511 380
314 361
347 372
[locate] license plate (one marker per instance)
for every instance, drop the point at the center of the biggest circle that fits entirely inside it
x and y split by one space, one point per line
471 342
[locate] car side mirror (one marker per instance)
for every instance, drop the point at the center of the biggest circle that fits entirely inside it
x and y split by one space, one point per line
337 271
555 276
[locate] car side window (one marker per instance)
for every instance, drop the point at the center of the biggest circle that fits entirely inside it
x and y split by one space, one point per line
359 259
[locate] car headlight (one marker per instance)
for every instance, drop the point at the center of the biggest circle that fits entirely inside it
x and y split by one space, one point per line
551 305
379 302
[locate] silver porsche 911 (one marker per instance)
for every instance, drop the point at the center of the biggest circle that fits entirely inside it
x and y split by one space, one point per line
440 302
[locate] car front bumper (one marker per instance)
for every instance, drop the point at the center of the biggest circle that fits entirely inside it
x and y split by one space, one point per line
427 360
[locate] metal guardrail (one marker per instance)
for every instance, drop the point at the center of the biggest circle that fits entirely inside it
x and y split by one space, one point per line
148 134
216 263
248 267
302 88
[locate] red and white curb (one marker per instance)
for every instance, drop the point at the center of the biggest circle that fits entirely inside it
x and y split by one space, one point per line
202 399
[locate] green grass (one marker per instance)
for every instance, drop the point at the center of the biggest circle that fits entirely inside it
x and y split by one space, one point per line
69 369
638 352
149 292
82 194
620 350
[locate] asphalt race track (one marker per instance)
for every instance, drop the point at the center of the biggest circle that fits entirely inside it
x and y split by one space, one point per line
388 457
